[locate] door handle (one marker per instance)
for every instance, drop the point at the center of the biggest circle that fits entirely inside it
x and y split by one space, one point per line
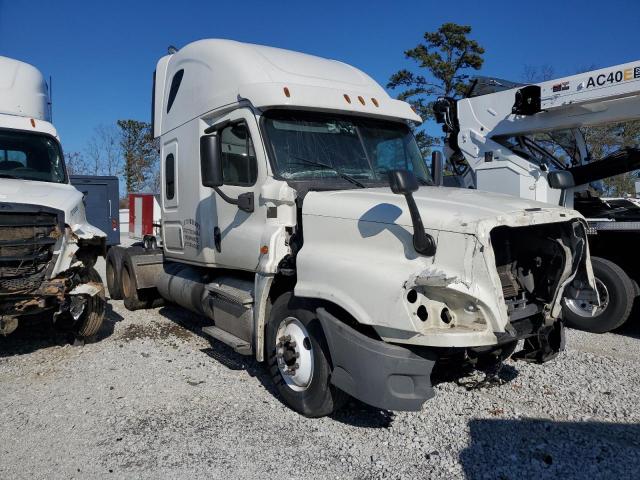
217 239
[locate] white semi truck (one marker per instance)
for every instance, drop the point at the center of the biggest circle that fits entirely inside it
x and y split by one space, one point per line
299 217
47 248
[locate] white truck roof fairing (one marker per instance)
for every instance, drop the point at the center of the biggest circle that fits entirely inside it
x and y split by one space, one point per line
23 90
217 73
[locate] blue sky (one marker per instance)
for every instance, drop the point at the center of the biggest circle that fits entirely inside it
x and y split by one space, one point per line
101 55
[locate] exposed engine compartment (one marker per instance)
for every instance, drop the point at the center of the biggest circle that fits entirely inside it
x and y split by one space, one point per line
533 261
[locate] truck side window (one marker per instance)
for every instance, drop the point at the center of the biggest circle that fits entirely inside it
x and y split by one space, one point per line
14 158
239 166
170 176
175 85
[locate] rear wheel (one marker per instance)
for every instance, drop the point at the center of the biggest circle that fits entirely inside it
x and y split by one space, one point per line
298 358
132 300
616 292
114 272
135 299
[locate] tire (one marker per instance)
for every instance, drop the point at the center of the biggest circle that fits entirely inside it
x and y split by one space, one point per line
150 242
617 291
135 299
310 394
114 272
132 300
92 317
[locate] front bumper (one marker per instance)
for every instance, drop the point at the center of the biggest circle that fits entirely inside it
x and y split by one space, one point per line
377 373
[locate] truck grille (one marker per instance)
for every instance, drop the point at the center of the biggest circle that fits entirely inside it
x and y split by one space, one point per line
27 241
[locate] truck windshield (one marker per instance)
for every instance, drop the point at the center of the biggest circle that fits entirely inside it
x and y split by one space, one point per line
30 156
556 149
319 146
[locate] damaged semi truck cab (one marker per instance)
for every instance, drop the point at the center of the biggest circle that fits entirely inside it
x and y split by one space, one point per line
299 216
47 248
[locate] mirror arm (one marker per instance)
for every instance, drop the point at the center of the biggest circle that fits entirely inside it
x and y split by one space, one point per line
244 201
437 168
422 241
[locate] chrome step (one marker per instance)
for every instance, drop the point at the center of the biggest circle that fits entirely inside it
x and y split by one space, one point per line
240 346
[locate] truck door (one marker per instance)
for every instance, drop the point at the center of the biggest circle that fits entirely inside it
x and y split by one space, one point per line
238 233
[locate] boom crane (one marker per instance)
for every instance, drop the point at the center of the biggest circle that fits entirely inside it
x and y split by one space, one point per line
521 139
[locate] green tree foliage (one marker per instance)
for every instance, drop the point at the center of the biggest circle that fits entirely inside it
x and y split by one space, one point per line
140 153
443 59
603 140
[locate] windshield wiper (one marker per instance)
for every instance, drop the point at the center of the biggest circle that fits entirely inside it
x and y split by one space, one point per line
347 177
8 175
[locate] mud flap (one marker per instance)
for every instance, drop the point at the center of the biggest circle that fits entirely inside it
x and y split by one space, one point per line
544 346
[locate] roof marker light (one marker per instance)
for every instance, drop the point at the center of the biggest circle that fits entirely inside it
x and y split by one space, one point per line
33 123
286 92
375 102
346 97
361 99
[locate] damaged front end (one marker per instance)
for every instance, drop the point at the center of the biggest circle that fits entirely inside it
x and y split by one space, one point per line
43 265
495 288
537 266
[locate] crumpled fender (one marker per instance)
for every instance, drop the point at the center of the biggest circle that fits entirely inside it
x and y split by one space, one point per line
85 231
68 244
91 289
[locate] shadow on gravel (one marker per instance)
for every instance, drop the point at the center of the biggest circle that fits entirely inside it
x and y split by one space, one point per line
355 413
532 448
38 332
358 414
473 378
219 351
631 328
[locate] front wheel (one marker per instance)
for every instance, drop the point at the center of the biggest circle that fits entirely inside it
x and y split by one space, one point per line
616 293
298 358
89 312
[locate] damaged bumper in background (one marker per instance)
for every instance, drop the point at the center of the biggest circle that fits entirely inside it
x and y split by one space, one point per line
40 261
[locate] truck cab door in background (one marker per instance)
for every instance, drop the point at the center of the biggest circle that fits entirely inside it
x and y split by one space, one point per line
238 233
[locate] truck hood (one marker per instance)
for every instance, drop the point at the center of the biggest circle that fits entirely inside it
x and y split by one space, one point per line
442 208
60 196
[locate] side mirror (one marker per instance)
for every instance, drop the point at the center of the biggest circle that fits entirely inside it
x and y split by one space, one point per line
437 168
561 179
210 164
403 182
212 176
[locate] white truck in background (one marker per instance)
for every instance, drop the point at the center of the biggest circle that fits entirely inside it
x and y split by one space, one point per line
299 217
47 248
528 141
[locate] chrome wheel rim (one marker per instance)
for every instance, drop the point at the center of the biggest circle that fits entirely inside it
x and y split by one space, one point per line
589 309
294 354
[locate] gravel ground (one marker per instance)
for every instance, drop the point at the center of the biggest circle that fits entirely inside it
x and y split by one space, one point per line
154 399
